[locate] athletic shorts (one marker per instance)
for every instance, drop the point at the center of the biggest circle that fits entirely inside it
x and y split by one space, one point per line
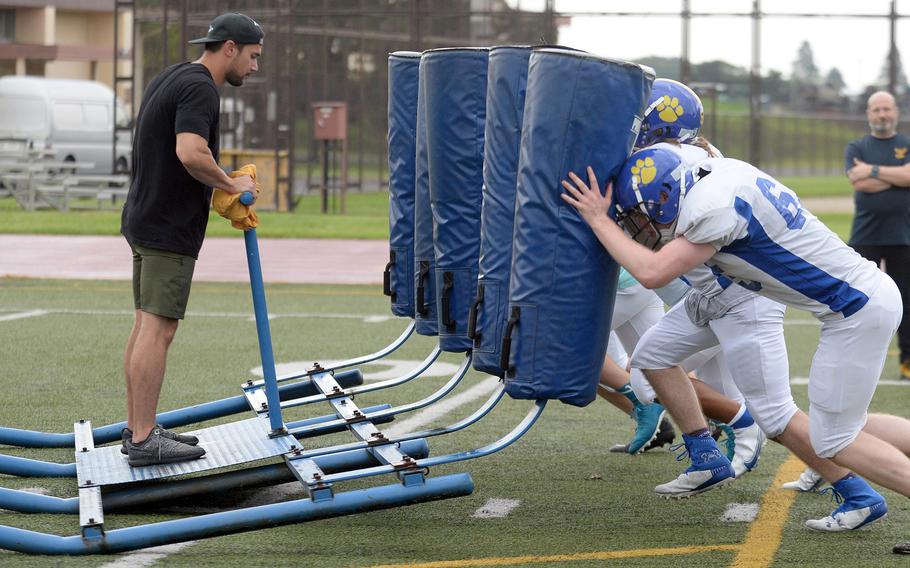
161 281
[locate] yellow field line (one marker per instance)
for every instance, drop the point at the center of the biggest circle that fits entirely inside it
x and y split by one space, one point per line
763 538
603 555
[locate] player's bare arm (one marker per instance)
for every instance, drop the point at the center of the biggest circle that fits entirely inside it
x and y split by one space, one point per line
193 152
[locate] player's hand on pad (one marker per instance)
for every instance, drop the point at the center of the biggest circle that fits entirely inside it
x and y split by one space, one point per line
587 198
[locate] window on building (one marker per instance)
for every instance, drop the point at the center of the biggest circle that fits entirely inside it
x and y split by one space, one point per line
7 26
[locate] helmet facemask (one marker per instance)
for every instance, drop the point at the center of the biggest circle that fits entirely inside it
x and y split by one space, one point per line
642 227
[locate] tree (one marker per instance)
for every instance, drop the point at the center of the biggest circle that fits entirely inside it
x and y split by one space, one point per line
804 68
835 81
805 79
775 87
901 87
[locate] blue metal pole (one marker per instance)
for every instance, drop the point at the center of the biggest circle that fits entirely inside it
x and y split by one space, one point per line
262 329
229 522
24 467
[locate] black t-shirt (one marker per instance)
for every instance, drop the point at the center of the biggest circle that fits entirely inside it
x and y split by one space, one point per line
167 208
881 218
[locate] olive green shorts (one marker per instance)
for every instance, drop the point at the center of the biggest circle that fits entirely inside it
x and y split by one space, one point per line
161 281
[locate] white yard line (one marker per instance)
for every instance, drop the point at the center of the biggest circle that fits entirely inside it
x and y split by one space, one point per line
440 409
147 557
23 315
496 508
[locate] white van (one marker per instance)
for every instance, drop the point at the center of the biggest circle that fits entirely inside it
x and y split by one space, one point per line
72 117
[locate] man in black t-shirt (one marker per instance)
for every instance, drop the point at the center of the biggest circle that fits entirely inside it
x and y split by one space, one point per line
878 166
175 153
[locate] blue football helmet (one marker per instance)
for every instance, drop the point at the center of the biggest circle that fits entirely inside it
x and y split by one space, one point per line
674 111
648 192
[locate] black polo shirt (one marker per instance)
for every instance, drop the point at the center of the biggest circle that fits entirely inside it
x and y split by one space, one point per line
881 218
167 208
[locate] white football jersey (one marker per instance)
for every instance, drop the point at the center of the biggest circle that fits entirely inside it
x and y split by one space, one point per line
766 242
701 277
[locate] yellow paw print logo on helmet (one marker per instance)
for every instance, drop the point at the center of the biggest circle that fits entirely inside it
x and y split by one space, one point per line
644 171
669 109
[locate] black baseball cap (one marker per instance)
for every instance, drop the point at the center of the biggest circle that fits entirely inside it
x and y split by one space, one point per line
233 26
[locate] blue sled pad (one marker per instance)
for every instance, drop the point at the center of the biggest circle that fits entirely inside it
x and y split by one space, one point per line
424 252
398 282
580 111
506 85
455 89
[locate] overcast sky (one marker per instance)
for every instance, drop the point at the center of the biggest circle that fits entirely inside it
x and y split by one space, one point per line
856 46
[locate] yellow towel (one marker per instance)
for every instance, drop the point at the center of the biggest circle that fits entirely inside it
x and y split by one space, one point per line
228 204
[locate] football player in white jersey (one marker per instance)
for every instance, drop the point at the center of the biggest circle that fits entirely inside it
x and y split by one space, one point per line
751 230
674 111
749 328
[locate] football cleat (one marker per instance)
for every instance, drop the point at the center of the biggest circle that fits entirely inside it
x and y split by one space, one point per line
665 435
647 425
725 437
859 505
709 469
749 442
809 480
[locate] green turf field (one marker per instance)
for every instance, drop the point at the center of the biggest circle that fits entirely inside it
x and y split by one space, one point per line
367 218
580 506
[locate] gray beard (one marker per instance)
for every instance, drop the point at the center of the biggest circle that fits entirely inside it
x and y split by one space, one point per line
883 128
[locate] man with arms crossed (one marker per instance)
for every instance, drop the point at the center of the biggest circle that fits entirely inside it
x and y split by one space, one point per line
878 166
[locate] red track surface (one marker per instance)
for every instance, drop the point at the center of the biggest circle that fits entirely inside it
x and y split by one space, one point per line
299 261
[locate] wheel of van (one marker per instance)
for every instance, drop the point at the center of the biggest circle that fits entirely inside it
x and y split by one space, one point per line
64 171
121 167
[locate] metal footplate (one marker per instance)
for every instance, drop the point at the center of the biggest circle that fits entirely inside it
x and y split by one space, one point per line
91 512
309 473
225 445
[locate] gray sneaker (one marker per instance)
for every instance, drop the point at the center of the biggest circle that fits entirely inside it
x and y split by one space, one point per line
158 449
126 435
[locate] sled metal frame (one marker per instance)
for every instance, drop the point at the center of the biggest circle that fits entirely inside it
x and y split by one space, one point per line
264 436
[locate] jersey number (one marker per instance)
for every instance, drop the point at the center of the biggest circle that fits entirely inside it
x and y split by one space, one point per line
786 203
